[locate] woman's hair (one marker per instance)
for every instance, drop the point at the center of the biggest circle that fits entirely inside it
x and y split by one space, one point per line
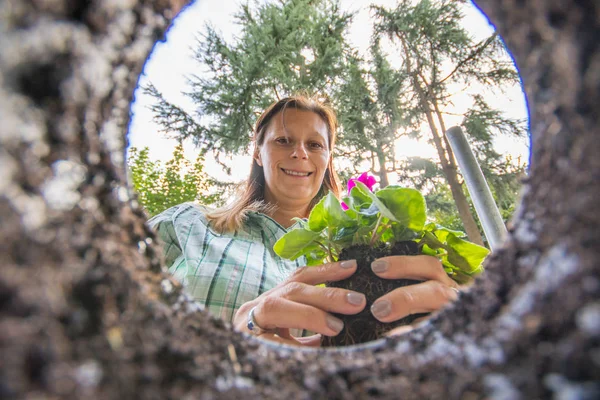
230 218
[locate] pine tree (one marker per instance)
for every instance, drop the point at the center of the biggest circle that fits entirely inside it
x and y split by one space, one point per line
429 37
284 48
372 113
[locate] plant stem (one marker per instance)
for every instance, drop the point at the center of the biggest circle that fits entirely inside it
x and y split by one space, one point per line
327 250
374 235
376 238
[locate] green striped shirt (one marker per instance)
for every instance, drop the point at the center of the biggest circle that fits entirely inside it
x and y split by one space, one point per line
222 271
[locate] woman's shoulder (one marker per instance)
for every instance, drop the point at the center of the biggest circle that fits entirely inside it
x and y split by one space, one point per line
181 212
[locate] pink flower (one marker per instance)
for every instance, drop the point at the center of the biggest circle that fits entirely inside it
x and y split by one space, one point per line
366 178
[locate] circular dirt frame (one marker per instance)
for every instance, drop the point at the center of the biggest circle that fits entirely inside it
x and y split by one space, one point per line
87 310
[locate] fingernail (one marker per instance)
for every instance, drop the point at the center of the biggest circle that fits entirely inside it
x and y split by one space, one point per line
452 293
355 298
381 309
379 266
334 324
348 264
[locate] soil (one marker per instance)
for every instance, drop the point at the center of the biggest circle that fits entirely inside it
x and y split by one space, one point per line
363 327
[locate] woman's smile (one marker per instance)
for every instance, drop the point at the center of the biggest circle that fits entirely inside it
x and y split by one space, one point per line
296 173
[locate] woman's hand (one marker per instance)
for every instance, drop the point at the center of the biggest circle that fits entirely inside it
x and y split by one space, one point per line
298 304
436 290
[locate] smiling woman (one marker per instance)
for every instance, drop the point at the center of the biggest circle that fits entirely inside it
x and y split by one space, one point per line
295 156
300 119
226 260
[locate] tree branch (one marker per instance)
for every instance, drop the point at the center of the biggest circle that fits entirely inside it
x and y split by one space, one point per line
471 56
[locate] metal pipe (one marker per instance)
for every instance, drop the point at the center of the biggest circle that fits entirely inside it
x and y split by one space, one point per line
485 206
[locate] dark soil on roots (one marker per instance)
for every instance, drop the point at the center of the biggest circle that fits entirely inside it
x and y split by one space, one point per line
363 327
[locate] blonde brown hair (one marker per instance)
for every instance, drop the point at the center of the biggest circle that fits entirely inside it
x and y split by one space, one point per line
231 217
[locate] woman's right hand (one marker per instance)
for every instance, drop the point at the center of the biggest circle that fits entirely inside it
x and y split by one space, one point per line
298 304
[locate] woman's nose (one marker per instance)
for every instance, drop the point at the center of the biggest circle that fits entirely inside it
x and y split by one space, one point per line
299 151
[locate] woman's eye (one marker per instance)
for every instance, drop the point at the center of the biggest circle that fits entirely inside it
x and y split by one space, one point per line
316 145
282 140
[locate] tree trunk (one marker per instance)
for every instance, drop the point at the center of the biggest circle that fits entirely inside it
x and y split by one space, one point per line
446 158
87 310
383 176
451 159
450 172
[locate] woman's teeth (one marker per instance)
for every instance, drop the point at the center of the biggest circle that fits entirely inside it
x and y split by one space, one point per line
296 173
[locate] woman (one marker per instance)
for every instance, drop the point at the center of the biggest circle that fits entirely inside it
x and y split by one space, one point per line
225 258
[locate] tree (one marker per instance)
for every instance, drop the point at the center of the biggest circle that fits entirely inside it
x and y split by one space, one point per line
504 174
284 48
87 310
371 112
159 188
429 37
300 45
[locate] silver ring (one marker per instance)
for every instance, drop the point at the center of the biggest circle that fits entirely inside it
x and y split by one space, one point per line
253 327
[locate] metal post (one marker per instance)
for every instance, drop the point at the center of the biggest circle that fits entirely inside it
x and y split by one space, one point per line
485 206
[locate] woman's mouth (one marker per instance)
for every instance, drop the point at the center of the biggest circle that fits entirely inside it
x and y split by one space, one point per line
296 173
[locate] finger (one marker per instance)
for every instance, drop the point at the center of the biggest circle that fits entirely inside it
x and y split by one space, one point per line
418 321
399 330
284 333
422 268
240 320
336 300
278 339
324 273
420 298
277 312
310 341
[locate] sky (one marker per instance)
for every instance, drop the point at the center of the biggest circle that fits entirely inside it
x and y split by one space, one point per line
171 62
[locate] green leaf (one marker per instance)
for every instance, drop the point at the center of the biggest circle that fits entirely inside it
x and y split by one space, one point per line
328 213
359 199
442 233
425 249
369 212
300 222
315 254
348 200
344 235
351 214
405 204
467 256
317 220
295 243
431 240
380 205
401 232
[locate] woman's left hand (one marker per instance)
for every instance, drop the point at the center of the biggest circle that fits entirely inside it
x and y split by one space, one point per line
436 290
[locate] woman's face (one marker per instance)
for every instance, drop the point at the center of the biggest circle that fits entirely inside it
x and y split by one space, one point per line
294 159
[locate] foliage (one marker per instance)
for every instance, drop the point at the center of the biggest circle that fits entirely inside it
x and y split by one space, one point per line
383 217
372 111
503 175
179 181
300 45
283 48
440 57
